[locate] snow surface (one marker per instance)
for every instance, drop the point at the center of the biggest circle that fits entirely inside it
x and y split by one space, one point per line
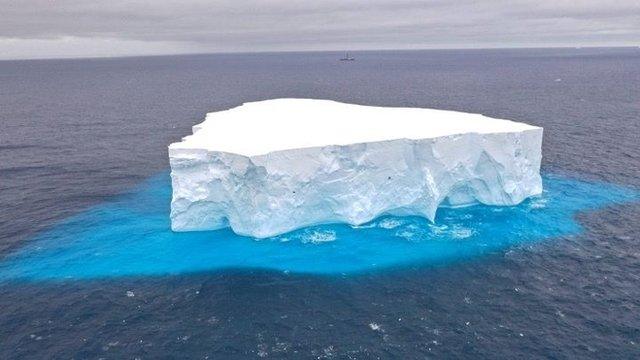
262 127
269 167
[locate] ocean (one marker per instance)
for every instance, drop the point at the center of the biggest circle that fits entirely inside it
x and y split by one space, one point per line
89 269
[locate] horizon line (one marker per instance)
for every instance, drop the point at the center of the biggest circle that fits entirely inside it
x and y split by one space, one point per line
231 52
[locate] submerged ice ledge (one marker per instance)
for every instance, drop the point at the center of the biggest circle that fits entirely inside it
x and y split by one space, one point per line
269 167
130 235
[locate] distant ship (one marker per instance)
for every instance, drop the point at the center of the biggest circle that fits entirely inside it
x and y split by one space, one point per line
347 58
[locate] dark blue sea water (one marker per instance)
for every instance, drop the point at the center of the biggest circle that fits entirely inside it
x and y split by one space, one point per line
89 269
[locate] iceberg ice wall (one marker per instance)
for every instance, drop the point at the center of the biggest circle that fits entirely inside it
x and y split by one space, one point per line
269 167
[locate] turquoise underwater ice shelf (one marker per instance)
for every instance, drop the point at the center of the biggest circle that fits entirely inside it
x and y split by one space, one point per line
131 236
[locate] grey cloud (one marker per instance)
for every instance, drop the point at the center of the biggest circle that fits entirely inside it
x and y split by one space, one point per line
302 25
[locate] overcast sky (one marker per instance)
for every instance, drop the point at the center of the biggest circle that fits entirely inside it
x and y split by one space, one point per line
85 28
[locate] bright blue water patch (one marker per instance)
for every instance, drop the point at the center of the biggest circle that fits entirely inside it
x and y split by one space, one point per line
130 236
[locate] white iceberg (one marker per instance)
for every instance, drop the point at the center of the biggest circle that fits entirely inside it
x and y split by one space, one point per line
269 167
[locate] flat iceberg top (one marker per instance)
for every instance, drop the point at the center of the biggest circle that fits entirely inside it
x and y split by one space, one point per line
262 127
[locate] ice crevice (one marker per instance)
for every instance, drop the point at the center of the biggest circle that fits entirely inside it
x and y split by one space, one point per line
270 167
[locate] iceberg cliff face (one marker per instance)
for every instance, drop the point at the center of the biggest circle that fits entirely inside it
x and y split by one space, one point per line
270 167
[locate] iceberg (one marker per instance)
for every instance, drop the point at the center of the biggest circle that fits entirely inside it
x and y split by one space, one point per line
269 167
